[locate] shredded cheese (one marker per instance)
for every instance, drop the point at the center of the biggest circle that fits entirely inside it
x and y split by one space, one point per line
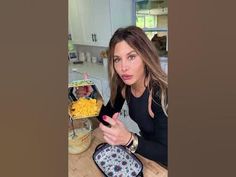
84 107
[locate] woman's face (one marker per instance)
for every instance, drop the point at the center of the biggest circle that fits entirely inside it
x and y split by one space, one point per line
128 64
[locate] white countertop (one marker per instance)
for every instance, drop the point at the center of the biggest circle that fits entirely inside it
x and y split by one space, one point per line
94 70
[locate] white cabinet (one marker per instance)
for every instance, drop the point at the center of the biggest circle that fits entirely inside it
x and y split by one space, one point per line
95 21
122 14
75 25
85 14
101 27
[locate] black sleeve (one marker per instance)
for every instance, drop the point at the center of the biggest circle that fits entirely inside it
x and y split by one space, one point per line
156 150
109 110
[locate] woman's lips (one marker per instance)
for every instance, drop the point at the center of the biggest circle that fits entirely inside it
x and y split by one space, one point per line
126 77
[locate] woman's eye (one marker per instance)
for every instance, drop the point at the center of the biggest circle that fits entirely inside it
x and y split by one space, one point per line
116 60
131 57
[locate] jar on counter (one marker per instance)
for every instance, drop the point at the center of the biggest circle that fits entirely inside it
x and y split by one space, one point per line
79 135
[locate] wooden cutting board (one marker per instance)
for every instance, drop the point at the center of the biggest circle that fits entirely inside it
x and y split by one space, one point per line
82 165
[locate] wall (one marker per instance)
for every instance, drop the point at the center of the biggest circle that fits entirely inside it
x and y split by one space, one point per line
94 51
162 23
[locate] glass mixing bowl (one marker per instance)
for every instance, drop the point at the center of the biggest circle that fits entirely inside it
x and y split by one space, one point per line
79 135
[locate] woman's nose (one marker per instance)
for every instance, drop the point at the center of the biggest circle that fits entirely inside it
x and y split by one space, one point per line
124 66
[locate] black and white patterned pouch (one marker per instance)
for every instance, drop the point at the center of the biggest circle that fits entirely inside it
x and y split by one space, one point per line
117 161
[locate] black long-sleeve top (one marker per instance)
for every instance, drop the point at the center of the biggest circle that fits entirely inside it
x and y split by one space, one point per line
153 140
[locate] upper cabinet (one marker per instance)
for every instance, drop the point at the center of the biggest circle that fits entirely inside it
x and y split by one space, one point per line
74 25
92 22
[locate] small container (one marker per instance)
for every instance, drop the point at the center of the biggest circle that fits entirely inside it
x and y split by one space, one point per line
81 56
94 59
105 62
88 57
79 135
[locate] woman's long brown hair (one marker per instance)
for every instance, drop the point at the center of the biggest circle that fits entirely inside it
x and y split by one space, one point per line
155 76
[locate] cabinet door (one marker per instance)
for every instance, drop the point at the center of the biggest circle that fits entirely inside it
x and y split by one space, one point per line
92 19
92 22
75 25
101 22
121 14
85 16
109 15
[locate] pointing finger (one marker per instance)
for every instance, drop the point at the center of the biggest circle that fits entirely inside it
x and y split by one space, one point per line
109 120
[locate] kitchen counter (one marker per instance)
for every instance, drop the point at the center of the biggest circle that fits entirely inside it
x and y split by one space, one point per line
94 70
82 165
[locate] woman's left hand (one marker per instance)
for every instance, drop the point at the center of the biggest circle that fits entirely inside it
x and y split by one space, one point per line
117 133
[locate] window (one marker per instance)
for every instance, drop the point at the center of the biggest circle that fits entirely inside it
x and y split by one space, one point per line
151 16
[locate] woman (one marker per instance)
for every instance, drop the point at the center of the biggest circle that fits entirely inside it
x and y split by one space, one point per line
136 76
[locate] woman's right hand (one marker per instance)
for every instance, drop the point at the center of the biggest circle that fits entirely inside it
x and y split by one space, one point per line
117 133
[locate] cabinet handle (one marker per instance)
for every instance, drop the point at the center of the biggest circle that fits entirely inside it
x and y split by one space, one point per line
95 37
92 37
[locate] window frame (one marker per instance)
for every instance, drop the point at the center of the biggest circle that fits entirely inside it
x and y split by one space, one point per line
156 29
